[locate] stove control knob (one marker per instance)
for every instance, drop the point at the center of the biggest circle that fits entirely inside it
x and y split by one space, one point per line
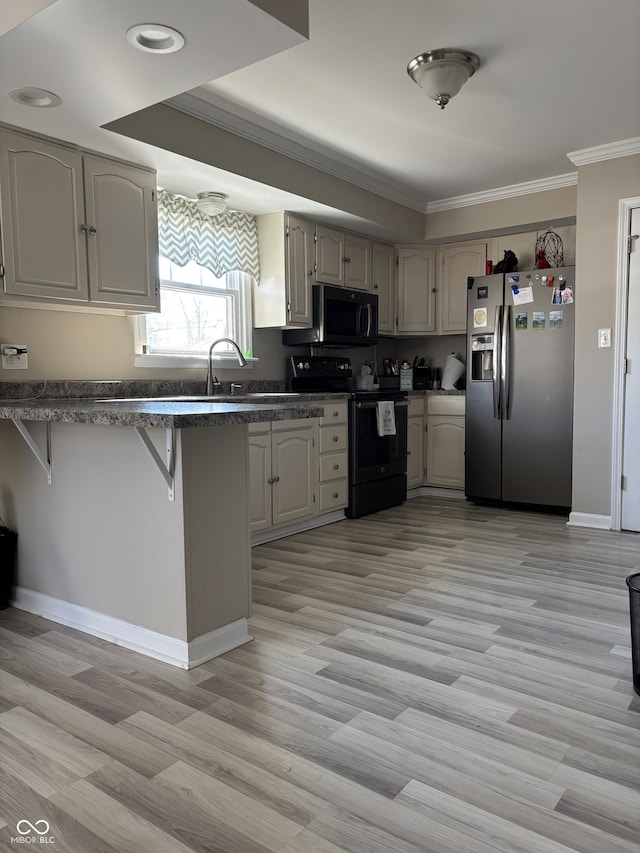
306 365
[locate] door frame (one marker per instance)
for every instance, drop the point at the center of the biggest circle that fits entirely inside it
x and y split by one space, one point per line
625 207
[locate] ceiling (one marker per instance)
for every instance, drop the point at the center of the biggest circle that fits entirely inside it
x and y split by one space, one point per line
554 78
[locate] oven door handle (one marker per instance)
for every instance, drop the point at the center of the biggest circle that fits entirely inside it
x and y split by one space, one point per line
397 404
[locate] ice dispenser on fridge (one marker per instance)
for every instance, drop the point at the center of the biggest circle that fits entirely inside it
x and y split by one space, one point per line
482 357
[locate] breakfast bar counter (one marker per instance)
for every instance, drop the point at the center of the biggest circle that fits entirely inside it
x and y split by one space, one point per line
132 517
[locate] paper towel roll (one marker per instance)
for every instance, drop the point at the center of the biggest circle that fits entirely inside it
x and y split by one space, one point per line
453 370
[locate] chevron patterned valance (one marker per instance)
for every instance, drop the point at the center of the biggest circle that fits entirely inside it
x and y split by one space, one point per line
224 243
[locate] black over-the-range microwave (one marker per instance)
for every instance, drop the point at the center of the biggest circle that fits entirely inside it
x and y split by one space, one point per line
341 318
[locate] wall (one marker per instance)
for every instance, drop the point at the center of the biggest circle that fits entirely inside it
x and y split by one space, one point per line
600 187
173 130
520 213
77 345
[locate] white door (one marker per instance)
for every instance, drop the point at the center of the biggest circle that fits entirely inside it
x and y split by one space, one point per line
630 517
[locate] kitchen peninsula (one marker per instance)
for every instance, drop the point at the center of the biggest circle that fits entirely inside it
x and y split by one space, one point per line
132 517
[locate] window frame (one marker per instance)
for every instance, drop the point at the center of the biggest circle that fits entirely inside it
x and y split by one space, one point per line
240 295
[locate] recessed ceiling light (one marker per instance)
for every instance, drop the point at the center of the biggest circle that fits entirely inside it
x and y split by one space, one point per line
155 38
31 96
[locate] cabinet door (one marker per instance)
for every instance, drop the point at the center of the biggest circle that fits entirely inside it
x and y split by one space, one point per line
329 255
383 280
357 268
294 471
416 290
42 209
259 482
122 224
299 271
458 263
445 451
415 452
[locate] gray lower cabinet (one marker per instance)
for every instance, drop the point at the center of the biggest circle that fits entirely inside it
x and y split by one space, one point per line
298 469
445 441
77 228
435 441
282 473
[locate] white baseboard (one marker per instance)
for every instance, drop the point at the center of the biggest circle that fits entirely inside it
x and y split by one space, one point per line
298 527
589 519
159 646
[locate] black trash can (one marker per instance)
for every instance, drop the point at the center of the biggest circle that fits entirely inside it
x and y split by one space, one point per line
633 582
8 543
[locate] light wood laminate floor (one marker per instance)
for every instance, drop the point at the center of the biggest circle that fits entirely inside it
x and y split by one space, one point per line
438 677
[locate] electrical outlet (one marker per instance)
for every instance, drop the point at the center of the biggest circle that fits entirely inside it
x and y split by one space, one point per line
604 338
14 356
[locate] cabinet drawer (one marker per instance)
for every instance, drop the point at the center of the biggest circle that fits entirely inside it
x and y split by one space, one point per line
334 413
299 423
333 495
446 404
333 466
333 438
416 406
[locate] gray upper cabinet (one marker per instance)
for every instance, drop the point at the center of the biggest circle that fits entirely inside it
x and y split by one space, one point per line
343 259
357 264
329 255
76 228
416 290
383 281
120 205
457 264
282 297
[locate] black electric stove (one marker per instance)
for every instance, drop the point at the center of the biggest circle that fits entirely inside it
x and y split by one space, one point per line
377 463
331 374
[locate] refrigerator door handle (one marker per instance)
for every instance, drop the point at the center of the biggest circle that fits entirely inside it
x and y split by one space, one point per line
497 363
506 365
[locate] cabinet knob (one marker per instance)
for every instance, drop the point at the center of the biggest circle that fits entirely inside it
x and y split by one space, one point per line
93 230
375 286
408 453
83 229
336 466
336 438
335 494
276 479
335 414
347 260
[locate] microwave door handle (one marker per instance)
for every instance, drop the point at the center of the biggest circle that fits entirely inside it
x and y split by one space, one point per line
369 319
360 324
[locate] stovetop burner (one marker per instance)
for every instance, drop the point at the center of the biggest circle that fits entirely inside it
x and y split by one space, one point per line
330 375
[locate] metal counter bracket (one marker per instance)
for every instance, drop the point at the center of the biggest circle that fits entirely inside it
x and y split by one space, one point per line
45 461
167 471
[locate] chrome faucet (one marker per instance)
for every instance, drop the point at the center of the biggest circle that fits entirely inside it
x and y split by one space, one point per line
211 385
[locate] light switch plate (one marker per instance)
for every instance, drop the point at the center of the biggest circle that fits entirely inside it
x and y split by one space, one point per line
604 338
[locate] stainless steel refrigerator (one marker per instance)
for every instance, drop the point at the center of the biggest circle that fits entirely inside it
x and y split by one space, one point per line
519 388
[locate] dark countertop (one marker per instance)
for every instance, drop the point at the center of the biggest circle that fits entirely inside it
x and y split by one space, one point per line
166 414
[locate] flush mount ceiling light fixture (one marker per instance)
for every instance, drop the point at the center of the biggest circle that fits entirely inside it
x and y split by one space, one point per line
442 73
155 38
211 203
31 96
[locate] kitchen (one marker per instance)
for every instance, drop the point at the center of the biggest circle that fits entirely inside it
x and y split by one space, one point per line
79 346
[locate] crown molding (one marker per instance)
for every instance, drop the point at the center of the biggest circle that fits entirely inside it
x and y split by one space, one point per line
297 148
501 193
598 153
